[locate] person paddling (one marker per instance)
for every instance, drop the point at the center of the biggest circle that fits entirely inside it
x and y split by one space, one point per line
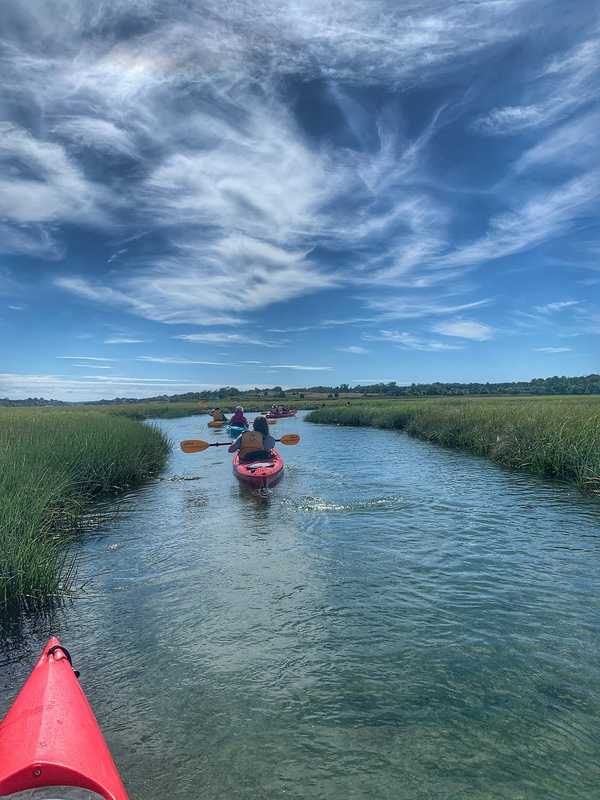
218 415
238 420
255 444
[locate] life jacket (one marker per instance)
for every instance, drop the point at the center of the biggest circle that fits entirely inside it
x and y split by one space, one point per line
252 442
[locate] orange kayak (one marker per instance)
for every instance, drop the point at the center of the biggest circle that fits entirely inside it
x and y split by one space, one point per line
50 737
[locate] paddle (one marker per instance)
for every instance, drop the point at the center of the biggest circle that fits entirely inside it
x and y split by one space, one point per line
197 445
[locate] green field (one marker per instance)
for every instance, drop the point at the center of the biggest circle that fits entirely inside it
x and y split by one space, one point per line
555 437
52 463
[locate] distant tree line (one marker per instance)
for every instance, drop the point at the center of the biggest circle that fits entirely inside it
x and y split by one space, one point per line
585 384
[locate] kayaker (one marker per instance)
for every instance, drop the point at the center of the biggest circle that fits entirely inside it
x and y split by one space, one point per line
218 415
238 420
255 444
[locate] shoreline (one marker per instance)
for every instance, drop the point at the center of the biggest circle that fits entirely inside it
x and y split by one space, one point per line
557 439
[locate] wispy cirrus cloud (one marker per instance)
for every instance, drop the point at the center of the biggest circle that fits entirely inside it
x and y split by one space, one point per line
465 329
553 349
301 367
565 83
558 305
277 153
402 307
92 366
124 340
41 184
226 338
98 387
355 349
176 360
410 341
95 132
86 358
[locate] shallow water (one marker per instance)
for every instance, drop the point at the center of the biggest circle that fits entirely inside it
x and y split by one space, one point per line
395 621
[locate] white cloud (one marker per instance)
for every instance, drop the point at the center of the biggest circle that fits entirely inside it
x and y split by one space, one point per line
409 341
174 360
235 192
545 216
511 119
29 240
124 340
225 338
301 367
40 184
560 305
463 329
407 308
87 358
566 83
573 144
100 134
553 349
92 366
353 348
97 387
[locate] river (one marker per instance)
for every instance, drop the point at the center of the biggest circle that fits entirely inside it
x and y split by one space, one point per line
396 621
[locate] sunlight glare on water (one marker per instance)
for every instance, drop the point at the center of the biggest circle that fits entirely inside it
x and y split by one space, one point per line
395 621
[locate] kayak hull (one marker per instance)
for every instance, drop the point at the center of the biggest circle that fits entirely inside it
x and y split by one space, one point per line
50 737
236 430
216 423
260 474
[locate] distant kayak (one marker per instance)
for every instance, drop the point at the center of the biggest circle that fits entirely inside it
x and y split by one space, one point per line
262 473
50 737
291 413
236 430
217 423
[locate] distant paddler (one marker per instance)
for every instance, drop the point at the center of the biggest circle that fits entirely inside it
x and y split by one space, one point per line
218 418
238 423
238 420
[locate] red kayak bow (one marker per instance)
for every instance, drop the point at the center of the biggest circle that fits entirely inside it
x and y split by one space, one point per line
50 736
260 474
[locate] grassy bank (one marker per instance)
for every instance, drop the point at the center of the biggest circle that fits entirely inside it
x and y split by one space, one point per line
554 437
52 463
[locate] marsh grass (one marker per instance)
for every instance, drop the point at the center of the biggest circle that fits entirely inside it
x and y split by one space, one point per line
554 437
52 463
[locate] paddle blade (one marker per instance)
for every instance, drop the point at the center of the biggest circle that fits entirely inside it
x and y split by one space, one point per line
289 438
193 445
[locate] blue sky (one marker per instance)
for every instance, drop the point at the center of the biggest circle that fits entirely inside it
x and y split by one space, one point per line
196 194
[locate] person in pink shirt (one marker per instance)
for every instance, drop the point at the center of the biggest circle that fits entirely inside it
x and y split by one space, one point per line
238 420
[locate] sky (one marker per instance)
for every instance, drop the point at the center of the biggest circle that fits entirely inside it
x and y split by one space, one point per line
290 192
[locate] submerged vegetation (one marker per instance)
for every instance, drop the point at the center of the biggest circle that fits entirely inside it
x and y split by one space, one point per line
52 463
553 437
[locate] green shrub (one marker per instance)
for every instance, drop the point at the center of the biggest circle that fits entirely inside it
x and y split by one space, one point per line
52 463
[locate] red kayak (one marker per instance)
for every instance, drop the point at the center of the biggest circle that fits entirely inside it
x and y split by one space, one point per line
260 474
50 736
270 415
